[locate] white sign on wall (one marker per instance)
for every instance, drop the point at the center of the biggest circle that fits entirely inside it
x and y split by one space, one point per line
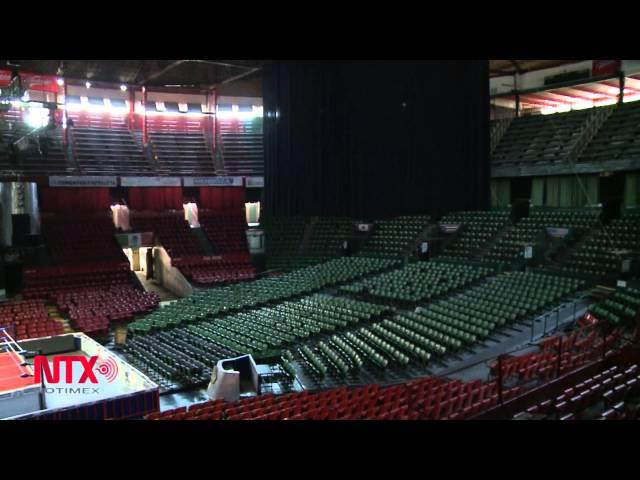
255 182
85 181
150 181
212 181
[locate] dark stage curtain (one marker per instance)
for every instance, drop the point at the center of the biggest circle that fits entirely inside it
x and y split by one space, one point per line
155 198
52 199
373 138
221 198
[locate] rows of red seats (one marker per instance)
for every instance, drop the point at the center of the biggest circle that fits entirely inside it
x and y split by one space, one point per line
225 230
45 282
427 399
557 354
91 310
28 319
229 268
610 393
171 229
82 238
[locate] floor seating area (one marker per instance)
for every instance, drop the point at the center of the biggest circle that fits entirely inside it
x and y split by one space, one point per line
208 304
613 394
596 256
417 282
394 237
532 230
618 138
540 138
171 231
477 229
181 153
28 319
242 147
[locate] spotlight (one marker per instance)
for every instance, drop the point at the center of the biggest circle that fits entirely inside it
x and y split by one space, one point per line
88 84
123 88
60 81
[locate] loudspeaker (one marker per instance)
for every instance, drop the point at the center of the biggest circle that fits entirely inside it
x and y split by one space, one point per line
21 228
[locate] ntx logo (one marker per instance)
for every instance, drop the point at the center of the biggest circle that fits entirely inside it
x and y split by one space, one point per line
52 372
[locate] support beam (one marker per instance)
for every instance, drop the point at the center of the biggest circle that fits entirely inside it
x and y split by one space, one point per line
238 77
155 75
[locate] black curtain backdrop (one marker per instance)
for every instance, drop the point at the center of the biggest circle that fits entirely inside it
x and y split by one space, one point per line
376 138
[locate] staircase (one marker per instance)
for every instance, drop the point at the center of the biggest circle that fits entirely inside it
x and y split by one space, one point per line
498 129
55 314
589 130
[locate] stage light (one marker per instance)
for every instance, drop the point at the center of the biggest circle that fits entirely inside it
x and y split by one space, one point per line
87 84
123 88
252 213
60 82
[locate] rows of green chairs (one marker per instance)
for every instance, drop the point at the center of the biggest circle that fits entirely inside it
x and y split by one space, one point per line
618 137
540 138
596 256
327 237
470 317
532 230
283 241
477 228
260 331
394 237
211 303
620 307
418 282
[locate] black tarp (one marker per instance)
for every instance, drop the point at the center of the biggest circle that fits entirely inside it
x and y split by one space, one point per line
375 138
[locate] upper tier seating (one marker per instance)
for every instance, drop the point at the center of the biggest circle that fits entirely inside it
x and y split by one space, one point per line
242 146
477 229
103 144
540 138
532 230
596 257
171 229
44 155
393 237
28 319
619 136
418 282
620 307
180 153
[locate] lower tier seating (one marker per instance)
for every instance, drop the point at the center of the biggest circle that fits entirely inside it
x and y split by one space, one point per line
28 319
477 228
424 399
394 237
613 394
210 271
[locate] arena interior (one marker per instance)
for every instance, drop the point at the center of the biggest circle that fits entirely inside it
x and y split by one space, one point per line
223 240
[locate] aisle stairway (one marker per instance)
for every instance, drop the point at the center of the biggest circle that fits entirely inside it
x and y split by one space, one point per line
55 314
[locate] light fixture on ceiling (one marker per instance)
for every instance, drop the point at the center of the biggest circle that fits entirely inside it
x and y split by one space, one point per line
60 81
123 87
87 84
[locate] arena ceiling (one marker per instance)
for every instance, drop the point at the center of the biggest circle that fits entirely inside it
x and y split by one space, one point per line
158 73
498 68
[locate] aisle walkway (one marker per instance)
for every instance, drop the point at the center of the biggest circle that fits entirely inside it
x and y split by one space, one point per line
151 286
